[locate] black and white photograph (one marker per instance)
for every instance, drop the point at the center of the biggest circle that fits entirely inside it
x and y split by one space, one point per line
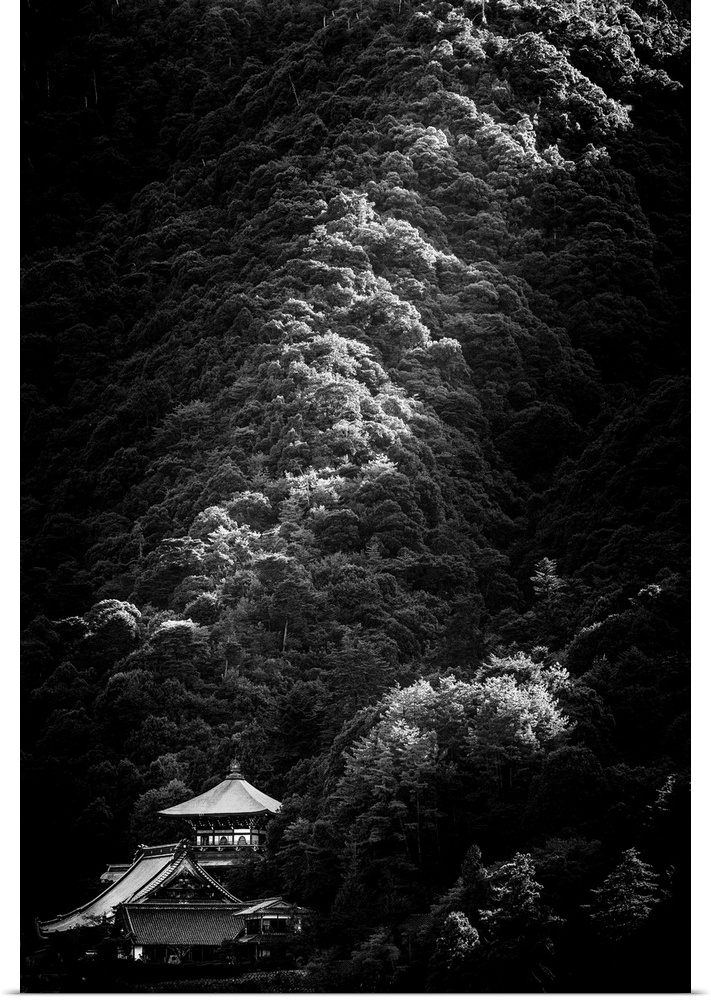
355 343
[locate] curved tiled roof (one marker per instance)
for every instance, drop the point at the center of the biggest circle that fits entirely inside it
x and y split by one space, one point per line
145 876
143 870
183 925
181 864
232 797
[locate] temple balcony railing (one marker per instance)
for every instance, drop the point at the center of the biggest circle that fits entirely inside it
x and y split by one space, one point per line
225 848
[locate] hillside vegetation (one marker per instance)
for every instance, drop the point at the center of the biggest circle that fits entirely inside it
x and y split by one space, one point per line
355 442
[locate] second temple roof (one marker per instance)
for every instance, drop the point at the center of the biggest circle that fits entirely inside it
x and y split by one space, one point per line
232 797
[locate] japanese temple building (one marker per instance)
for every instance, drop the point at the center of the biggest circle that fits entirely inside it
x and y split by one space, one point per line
166 906
231 816
167 879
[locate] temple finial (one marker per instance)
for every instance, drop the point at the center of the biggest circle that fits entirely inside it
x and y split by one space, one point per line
235 769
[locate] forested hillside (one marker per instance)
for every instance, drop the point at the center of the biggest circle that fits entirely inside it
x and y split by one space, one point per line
355 347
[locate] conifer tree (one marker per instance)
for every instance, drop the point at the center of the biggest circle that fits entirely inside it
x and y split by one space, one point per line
546 582
626 898
517 931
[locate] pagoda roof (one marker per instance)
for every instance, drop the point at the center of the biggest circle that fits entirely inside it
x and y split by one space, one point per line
153 871
232 797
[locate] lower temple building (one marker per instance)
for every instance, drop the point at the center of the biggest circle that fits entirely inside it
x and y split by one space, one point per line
167 906
260 932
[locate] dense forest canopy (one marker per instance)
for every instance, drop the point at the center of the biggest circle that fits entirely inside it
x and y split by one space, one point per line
355 364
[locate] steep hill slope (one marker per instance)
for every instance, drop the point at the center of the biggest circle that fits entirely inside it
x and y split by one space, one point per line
355 349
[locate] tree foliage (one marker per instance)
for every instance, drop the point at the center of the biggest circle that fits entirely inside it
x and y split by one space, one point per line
355 404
